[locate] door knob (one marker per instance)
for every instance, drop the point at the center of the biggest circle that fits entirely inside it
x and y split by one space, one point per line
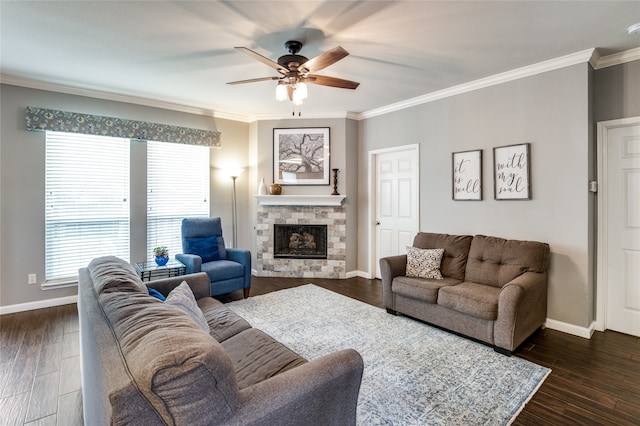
377 222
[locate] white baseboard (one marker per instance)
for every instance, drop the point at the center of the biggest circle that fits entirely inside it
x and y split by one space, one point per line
30 306
576 330
360 274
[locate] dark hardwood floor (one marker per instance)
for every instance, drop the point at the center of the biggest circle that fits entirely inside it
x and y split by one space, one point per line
593 382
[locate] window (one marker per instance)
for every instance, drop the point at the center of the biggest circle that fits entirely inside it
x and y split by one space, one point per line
177 187
87 201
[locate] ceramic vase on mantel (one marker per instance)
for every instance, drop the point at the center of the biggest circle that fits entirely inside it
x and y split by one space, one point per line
262 188
275 189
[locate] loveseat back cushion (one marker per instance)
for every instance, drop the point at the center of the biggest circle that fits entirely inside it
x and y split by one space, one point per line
496 261
184 374
456 250
110 273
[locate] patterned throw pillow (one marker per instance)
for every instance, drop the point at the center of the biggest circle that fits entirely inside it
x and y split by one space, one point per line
182 297
424 263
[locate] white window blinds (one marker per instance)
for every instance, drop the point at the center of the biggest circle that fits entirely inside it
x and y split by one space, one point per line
177 187
87 201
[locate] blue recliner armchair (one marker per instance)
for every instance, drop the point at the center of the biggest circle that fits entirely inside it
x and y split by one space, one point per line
229 269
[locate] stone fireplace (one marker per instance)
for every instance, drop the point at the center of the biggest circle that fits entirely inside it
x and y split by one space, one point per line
322 225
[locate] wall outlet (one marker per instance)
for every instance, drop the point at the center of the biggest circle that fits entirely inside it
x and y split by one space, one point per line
32 279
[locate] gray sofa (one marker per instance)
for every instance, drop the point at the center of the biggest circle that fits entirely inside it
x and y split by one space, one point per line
146 362
492 290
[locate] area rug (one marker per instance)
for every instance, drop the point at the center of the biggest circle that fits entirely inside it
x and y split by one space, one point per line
414 374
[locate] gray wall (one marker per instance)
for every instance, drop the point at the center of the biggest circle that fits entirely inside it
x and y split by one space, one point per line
550 111
22 182
617 92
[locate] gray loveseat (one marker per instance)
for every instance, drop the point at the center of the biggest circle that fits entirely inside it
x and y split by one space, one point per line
492 290
147 363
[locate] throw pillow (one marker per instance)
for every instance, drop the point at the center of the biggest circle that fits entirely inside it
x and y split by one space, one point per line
205 247
424 263
182 298
155 293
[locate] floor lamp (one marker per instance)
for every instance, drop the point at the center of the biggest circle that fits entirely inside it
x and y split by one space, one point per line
234 175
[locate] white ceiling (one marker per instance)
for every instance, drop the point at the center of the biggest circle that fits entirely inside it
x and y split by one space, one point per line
181 52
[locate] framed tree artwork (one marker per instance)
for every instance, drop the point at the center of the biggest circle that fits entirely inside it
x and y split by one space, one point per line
512 172
466 175
301 156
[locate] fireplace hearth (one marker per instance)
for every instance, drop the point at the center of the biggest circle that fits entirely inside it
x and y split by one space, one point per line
300 241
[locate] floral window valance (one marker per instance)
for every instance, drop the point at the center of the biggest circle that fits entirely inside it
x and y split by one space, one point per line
73 122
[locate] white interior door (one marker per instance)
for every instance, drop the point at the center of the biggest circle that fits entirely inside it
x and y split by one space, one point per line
396 201
622 222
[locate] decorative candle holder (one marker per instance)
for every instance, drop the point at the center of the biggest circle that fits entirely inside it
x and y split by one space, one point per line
335 182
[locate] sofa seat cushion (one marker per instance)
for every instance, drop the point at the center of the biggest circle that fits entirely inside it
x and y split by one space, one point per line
220 270
223 322
477 300
256 356
423 289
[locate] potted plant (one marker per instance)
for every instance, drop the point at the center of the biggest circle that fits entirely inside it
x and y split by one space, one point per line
161 255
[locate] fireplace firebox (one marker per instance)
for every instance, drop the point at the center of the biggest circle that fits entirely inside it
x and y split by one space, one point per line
300 241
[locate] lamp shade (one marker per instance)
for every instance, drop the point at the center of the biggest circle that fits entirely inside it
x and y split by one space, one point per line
281 91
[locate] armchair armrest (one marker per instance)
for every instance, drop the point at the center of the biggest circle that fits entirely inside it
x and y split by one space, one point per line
321 392
199 283
193 262
239 255
391 267
243 257
522 308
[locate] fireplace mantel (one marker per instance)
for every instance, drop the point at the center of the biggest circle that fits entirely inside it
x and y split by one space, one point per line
300 200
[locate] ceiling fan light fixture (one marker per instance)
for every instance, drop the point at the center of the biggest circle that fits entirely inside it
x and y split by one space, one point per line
301 91
281 91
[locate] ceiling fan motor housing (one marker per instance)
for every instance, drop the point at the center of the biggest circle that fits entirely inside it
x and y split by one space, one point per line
293 60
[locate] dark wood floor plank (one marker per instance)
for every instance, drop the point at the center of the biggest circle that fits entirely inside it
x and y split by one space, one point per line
13 409
51 420
21 376
70 375
50 358
44 396
70 409
71 344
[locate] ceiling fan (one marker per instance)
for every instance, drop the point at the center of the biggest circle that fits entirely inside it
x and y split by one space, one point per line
296 70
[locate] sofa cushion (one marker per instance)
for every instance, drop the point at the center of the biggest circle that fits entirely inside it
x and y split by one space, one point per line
256 357
422 289
424 263
456 250
473 299
182 298
223 322
496 261
112 274
180 369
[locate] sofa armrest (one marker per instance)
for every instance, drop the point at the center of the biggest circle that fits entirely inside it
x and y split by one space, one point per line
522 308
321 392
391 267
193 262
199 283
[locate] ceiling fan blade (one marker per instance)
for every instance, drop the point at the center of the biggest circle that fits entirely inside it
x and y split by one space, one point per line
253 80
263 59
323 80
325 59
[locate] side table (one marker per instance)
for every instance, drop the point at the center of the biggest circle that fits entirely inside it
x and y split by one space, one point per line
150 270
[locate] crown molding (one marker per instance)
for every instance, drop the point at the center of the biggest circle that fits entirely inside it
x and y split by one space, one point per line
550 65
325 115
98 94
617 59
